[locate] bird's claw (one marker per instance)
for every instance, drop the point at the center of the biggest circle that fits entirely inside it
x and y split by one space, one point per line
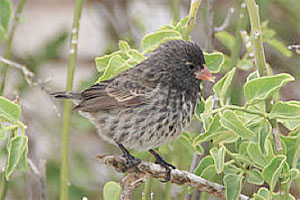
159 160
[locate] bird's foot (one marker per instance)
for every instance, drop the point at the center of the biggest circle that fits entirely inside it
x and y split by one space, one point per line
159 160
131 161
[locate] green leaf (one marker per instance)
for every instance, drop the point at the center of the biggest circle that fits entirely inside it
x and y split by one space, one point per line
294 173
263 135
186 140
115 62
262 88
123 46
285 110
136 56
255 177
292 153
245 64
231 169
102 62
272 170
3 134
153 40
16 149
232 122
181 25
221 88
253 75
203 164
111 191
226 39
262 194
213 129
277 196
5 17
9 109
214 61
218 155
233 185
258 159
290 124
22 164
280 47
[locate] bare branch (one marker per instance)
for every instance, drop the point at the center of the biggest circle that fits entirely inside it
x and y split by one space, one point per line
30 78
141 172
226 21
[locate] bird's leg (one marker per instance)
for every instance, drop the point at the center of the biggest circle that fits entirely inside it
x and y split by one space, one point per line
131 161
159 160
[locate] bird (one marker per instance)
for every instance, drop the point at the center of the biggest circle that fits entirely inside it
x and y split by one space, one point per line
149 104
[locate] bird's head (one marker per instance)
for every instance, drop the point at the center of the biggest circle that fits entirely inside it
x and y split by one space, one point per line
184 64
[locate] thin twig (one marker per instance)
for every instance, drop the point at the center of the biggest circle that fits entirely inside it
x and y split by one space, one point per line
31 79
179 177
40 172
226 20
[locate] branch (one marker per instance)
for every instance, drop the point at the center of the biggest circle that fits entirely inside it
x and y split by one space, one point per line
136 176
226 20
30 78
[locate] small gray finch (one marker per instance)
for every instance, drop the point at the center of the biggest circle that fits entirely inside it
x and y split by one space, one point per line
148 105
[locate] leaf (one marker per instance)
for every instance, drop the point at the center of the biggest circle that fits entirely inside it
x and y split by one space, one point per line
181 25
22 164
186 140
253 75
258 159
214 129
231 169
136 55
153 40
5 17
16 149
272 170
233 185
111 191
285 110
115 62
221 88
9 109
226 39
218 155
255 177
214 61
263 135
203 164
245 64
261 194
231 121
292 153
3 134
280 47
262 88
123 46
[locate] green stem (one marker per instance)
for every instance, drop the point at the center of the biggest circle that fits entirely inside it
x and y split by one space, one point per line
195 4
9 43
175 11
260 63
256 35
168 191
232 107
147 189
241 24
4 186
64 174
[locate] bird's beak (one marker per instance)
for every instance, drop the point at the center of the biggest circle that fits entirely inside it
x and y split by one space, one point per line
204 74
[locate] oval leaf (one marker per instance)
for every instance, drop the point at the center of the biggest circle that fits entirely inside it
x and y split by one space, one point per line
111 191
262 88
221 88
255 177
214 61
233 185
285 110
218 155
272 170
9 109
153 40
232 122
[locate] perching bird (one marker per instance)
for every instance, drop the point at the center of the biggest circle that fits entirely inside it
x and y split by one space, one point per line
148 105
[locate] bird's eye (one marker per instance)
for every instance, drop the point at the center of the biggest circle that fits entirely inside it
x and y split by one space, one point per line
191 66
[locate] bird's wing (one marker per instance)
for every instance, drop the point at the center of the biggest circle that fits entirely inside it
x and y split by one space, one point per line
114 94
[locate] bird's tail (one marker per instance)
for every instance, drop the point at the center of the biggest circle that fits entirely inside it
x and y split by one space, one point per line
67 95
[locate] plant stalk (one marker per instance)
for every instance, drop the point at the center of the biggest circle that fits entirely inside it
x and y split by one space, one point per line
195 4
64 173
7 54
260 63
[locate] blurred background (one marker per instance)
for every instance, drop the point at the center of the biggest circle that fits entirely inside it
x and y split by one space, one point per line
41 43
